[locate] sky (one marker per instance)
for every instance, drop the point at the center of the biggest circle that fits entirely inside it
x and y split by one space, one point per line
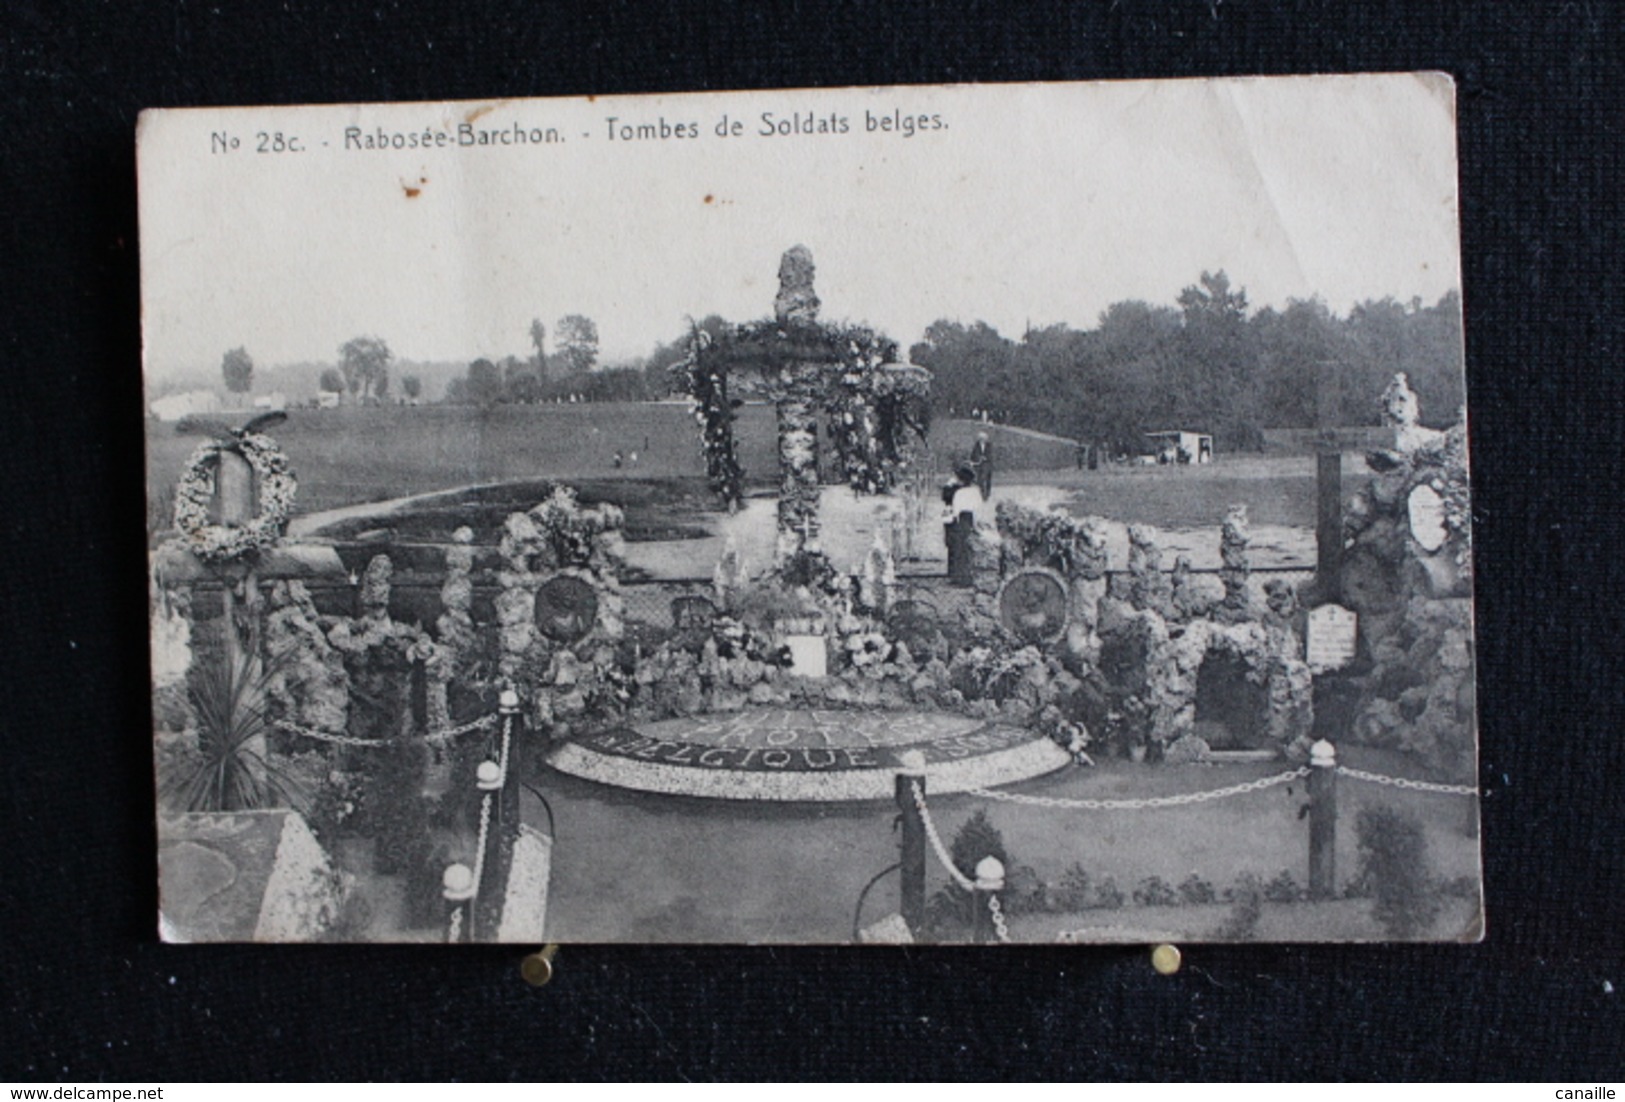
1011 204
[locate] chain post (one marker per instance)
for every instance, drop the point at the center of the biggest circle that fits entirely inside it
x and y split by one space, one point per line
457 889
497 778
984 898
910 791
1322 820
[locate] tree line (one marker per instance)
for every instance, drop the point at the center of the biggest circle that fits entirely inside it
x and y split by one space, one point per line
1207 365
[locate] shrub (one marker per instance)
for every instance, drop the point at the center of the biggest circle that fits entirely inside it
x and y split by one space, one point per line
949 912
977 838
1194 891
1108 896
1394 868
1154 891
1025 892
1246 904
1073 892
1284 888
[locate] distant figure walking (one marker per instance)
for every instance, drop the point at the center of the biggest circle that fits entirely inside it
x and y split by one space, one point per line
618 460
981 462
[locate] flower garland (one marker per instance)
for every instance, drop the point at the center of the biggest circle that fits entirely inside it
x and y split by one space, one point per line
705 381
1047 537
571 530
194 494
875 406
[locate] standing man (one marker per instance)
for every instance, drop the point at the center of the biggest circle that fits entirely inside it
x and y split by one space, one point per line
981 461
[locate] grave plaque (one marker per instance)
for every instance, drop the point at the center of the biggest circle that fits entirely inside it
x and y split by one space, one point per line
1332 638
1032 606
809 655
566 609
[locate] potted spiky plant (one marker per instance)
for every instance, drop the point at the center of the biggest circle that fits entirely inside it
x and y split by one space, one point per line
231 771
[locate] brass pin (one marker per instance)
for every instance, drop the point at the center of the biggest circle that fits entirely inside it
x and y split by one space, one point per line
537 968
1165 959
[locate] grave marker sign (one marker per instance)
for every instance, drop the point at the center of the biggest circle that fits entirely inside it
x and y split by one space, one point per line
1332 639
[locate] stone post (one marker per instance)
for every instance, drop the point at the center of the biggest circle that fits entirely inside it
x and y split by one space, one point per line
1235 567
795 390
234 504
798 469
912 843
457 889
1322 820
989 882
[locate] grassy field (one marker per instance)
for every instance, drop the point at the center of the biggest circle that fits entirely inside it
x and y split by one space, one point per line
349 456
346 456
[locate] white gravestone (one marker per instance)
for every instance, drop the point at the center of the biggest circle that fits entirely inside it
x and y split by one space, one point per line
809 656
1332 638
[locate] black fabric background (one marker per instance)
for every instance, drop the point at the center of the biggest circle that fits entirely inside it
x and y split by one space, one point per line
86 992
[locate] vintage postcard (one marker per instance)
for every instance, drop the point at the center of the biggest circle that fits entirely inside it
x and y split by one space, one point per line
1028 513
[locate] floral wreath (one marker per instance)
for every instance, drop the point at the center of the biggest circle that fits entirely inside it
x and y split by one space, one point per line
195 491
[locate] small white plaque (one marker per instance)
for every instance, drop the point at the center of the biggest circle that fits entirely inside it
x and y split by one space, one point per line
1427 518
809 657
1333 635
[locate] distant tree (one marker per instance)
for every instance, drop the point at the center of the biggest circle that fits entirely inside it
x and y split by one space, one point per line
538 341
521 380
484 385
238 368
1304 364
1217 363
457 391
972 367
413 386
1206 365
331 381
365 362
577 340
524 388
658 366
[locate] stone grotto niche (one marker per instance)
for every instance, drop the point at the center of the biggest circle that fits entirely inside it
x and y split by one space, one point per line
1231 706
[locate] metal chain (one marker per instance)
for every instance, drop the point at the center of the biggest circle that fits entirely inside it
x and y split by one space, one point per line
999 927
479 853
454 933
1407 783
449 733
323 736
507 740
1147 802
936 840
347 740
